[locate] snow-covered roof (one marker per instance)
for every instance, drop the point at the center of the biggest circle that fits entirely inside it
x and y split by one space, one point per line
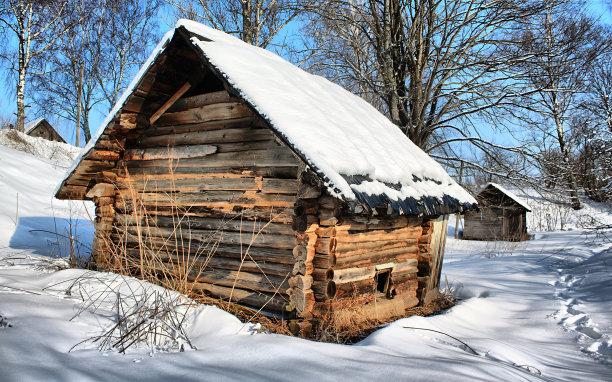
32 124
360 153
509 194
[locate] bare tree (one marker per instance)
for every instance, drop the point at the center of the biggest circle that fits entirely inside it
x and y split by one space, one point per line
34 24
97 57
560 44
598 100
594 133
75 53
256 22
438 68
126 44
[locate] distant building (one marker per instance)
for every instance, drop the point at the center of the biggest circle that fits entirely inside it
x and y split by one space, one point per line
502 216
41 128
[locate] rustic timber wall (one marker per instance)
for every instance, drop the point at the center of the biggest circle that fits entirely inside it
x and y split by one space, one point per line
343 258
493 223
235 184
44 130
192 170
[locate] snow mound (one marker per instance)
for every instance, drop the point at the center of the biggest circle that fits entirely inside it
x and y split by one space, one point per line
58 153
30 218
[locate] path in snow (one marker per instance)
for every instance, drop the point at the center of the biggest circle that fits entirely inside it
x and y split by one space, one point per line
584 289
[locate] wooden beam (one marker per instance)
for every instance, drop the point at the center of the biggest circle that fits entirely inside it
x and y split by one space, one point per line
169 102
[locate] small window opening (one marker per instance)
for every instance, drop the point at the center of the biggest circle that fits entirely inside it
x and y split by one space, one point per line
383 280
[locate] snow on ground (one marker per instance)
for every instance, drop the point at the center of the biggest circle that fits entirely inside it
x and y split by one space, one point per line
30 218
530 311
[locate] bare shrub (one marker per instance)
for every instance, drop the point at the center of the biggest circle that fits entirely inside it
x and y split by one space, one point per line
144 315
153 317
550 214
501 248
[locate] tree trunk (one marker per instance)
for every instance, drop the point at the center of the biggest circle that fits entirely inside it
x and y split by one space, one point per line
21 83
247 27
79 106
570 176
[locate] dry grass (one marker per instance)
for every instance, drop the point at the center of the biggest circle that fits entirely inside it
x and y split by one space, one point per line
351 324
171 261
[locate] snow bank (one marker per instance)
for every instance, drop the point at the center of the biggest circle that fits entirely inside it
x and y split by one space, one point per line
30 217
511 318
529 311
60 154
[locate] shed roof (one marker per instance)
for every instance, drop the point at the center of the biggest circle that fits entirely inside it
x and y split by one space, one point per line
45 125
508 193
32 125
358 152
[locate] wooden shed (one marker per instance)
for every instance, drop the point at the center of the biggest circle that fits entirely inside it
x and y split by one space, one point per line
43 129
502 216
312 203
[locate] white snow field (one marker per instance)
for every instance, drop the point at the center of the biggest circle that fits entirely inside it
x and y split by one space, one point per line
530 311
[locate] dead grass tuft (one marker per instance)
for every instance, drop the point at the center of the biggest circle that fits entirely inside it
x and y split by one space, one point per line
351 325
138 247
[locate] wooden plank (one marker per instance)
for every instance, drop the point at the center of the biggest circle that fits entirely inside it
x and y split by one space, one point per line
279 157
128 121
275 214
379 235
213 112
104 155
177 152
267 302
214 199
134 103
101 189
212 236
253 122
302 300
179 93
255 253
214 262
237 134
196 222
213 172
200 100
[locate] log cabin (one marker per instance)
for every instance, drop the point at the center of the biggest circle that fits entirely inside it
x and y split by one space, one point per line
502 216
43 129
313 203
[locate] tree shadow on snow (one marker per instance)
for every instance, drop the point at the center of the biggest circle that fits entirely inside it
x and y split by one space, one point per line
53 237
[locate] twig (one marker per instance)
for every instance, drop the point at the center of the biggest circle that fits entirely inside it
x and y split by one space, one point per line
437 331
21 290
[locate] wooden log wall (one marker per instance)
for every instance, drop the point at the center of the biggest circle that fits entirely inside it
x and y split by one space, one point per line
211 181
103 196
343 252
495 223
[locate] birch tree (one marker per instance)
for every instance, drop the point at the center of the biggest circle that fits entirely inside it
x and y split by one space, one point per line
131 32
97 58
35 28
561 45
